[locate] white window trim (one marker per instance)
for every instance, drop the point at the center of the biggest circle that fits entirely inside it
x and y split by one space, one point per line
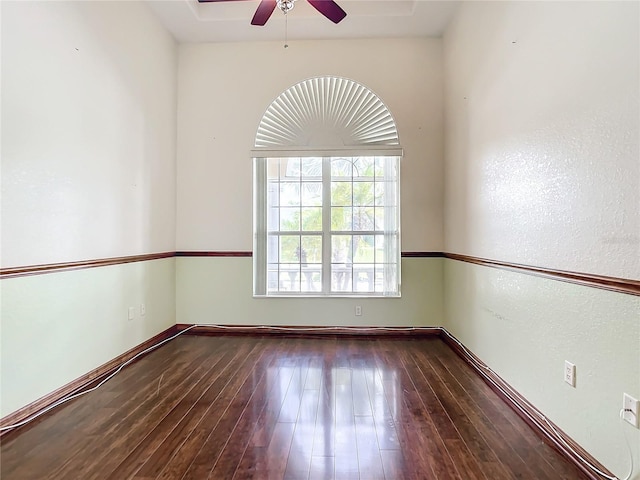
261 233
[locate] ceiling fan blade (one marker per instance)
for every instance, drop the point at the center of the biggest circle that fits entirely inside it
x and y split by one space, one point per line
329 9
263 12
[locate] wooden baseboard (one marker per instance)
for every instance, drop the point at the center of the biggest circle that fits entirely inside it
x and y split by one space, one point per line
526 411
82 383
308 330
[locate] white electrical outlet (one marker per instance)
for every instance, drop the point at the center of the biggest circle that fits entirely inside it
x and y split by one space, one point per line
358 310
143 310
132 313
630 406
570 373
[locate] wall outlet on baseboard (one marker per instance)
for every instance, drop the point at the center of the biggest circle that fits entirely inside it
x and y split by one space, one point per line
358 310
143 309
132 313
570 373
630 412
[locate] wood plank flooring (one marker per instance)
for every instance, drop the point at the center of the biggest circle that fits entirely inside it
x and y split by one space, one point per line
266 407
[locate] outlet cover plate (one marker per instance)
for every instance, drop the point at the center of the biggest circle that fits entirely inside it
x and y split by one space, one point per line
630 403
570 373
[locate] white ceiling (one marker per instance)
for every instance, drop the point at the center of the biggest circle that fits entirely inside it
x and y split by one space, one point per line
190 21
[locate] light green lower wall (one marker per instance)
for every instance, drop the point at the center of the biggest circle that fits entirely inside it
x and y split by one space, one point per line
524 327
219 290
59 326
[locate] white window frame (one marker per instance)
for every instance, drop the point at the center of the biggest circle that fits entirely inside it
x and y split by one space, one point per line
261 233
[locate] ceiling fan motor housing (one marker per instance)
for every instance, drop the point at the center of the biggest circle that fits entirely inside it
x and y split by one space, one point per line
286 5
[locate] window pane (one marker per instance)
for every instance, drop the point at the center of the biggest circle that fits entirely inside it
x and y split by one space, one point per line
289 194
341 268
290 219
379 194
363 218
341 167
341 194
312 167
379 218
312 248
311 278
341 277
341 218
386 167
273 219
390 219
289 278
273 168
312 218
312 194
341 248
390 194
273 252
380 256
363 278
363 167
273 194
363 193
379 281
379 167
390 276
292 169
272 278
311 260
363 249
289 248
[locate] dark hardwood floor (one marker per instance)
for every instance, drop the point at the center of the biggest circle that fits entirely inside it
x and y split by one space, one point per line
270 407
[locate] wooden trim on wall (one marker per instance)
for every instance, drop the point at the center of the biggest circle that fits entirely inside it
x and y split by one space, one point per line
422 254
526 410
615 284
213 254
82 383
299 330
12 272
621 285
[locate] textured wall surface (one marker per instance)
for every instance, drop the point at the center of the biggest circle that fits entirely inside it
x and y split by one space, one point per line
542 122
88 132
224 90
543 168
88 171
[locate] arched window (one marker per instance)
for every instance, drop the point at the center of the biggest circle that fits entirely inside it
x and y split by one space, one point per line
326 193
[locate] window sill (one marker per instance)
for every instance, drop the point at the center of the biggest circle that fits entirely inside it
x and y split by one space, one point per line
310 295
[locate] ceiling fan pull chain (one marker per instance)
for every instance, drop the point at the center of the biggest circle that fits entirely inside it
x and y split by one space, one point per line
286 24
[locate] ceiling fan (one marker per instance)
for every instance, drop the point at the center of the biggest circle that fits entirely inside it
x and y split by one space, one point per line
329 8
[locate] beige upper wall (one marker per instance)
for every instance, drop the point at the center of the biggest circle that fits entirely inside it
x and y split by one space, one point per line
224 89
88 131
542 134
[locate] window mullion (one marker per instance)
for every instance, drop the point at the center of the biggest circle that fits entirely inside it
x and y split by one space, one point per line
326 225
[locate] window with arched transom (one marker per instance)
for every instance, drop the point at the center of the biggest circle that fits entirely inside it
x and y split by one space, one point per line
327 193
